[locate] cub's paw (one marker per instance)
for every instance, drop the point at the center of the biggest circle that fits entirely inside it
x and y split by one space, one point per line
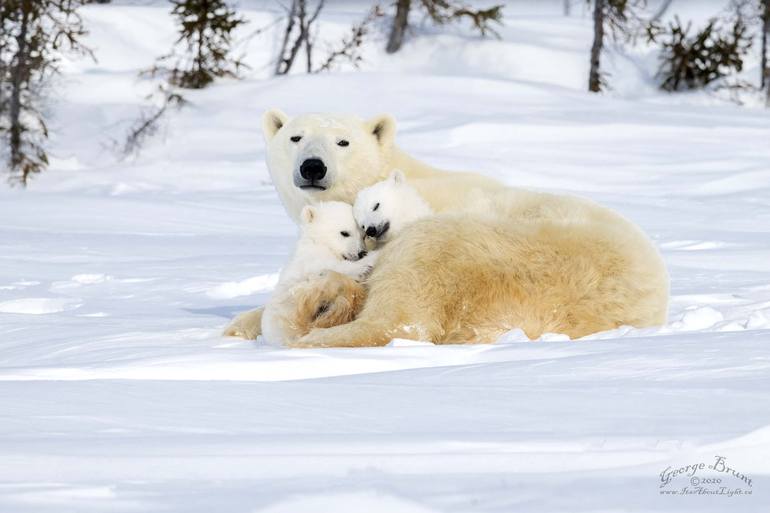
365 272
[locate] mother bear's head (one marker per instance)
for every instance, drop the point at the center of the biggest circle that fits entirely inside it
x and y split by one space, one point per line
325 157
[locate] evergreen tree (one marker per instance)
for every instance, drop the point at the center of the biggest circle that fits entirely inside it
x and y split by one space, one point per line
205 30
441 12
691 62
33 34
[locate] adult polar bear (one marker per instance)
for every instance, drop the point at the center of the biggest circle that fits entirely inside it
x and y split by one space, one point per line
494 258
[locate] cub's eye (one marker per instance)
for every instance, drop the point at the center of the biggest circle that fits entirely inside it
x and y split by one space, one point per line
343 143
345 234
376 207
295 138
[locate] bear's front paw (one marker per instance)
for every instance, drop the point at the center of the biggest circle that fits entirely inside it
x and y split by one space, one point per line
316 338
236 329
247 325
233 330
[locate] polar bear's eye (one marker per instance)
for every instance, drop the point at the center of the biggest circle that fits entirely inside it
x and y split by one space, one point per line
345 234
295 138
343 143
376 207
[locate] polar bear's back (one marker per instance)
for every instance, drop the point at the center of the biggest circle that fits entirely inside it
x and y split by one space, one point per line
478 277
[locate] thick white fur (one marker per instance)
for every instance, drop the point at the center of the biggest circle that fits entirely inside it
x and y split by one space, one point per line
387 207
329 240
465 278
517 218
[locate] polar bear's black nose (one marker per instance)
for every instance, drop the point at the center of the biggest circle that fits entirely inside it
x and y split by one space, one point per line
312 169
371 231
361 254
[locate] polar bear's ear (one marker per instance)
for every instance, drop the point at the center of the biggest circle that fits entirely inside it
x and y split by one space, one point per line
383 127
272 121
397 177
308 214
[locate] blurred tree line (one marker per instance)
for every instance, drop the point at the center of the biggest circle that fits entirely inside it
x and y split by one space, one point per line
35 34
689 58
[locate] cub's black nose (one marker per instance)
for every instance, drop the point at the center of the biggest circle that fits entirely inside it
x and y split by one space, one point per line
361 254
371 231
312 169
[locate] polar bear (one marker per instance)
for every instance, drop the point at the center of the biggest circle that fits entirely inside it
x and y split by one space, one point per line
321 157
329 241
464 278
384 209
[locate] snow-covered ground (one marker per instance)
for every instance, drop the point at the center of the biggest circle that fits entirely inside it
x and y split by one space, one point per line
118 394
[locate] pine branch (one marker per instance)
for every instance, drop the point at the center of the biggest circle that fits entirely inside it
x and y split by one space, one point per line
205 32
692 62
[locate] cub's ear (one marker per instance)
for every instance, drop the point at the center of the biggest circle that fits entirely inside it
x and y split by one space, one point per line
397 177
383 127
308 214
272 121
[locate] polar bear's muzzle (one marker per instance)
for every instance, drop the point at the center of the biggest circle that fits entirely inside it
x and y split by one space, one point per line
377 232
311 175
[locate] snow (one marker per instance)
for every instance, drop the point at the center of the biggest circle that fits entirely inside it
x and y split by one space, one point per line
37 306
117 392
262 283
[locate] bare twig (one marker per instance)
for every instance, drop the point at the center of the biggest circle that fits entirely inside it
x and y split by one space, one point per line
349 48
661 11
147 124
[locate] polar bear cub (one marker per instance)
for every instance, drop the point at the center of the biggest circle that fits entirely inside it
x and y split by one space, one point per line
382 210
330 240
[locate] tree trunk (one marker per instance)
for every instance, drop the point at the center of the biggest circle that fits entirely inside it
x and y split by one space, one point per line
17 83
199 57
594 75
4 80
767 89
763 69
3 73
309 51
309 36
281 66
767 98
400 22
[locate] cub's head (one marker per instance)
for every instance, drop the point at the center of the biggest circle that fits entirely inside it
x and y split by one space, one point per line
331 225
322 157
383 209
